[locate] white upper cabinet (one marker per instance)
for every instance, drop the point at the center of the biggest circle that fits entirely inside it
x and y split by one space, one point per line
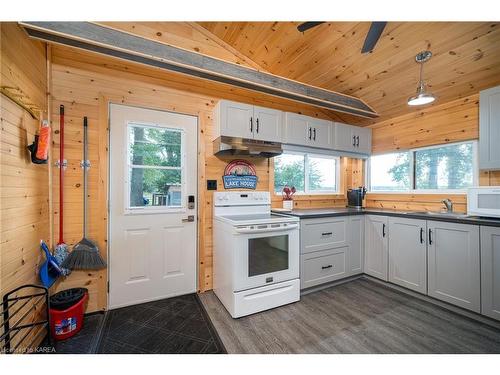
267 125
352 138
363 140
247 121
489 128
295 130
307 131
235 119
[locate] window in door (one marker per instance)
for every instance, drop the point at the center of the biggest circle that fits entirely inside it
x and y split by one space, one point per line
155 167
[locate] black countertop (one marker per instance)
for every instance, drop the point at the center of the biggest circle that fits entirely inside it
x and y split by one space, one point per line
437 216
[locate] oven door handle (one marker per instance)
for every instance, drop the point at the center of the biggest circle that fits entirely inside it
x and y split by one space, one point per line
265 230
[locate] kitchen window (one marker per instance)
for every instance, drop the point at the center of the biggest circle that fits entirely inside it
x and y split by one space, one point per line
309 173
451 167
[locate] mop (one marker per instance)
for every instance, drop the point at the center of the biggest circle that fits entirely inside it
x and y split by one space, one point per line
85 254
61 250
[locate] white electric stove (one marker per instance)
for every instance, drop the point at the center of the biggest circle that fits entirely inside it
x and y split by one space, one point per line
256 253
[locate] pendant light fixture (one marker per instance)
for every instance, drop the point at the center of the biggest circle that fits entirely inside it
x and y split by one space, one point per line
422 97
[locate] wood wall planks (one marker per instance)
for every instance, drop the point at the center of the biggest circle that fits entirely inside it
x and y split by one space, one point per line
24 196
445 123
85 84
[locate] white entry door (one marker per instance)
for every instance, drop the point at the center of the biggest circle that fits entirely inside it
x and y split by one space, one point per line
153 211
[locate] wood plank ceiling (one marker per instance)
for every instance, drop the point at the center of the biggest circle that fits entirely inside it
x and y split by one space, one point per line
466 58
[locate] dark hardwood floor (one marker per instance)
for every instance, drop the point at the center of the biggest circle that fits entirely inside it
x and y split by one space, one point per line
360 316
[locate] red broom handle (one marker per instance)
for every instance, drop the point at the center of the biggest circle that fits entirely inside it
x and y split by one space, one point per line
61 172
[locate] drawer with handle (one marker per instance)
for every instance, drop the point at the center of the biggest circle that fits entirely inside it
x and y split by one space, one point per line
324 233
322 267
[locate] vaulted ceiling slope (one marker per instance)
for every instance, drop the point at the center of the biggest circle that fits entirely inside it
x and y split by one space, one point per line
466 58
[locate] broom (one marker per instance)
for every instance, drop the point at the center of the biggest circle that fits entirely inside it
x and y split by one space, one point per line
85 254
61 250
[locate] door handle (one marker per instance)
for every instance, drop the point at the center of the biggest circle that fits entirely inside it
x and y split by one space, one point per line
257 126
326 234
189 219
251 124
357 143
383 230
421 235
430 236
309 133
354 140
326 267
314 134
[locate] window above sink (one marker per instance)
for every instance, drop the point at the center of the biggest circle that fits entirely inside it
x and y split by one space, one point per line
450 168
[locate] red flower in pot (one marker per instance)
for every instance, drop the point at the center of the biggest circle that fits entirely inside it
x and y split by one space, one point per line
288 193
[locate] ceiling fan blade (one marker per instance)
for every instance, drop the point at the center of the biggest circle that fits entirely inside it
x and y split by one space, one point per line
308 25
376 29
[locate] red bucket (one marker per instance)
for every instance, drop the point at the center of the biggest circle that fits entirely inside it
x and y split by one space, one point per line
67 323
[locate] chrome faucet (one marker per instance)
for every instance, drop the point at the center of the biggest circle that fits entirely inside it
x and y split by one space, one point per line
449 204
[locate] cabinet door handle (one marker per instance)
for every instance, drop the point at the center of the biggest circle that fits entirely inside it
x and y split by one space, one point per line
326 267
430 236
310 133
326 234
354 140
421 235
357 143
383 230
251 124
257 126
314 134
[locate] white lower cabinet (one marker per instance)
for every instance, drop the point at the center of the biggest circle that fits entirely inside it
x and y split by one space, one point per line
331 248
376 246
356 245
453 264
490 272
323 266
408 253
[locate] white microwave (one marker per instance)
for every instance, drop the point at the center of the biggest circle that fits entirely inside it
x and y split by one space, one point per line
483 201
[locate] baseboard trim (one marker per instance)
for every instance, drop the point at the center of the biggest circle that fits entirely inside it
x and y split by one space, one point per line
458 310
317 288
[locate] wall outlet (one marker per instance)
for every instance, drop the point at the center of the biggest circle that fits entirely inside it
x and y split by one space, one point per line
211 184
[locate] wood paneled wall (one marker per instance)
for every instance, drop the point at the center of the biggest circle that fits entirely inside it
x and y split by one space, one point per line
446 123
85 83
24 193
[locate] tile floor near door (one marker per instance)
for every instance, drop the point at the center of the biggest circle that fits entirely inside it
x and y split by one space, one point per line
360 316
174 325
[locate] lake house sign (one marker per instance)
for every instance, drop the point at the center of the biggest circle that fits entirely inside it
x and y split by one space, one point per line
240 174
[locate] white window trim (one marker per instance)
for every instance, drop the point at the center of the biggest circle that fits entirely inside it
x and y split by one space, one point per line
306 174
131 210
475 171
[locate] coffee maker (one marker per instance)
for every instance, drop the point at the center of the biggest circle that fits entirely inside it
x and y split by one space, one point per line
355 197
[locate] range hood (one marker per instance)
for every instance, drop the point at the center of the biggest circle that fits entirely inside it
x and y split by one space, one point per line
234 146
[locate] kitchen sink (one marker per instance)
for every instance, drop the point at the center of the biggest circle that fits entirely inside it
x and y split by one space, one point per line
444 214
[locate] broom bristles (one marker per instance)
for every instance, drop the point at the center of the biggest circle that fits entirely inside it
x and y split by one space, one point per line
84 258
